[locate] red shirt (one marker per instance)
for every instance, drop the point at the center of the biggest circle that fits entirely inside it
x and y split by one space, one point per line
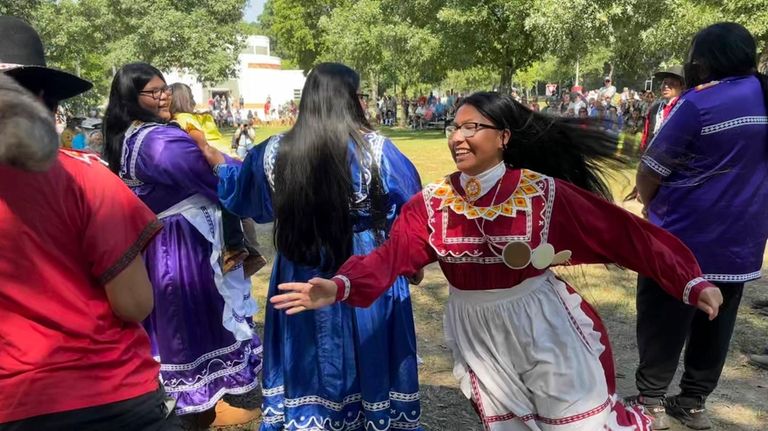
64 233
439 225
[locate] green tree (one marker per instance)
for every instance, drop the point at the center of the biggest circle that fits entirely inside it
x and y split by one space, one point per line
491 33
365 36
477 78
94 37
293 26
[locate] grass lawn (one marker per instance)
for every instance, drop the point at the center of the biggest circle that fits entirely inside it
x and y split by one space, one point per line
739 403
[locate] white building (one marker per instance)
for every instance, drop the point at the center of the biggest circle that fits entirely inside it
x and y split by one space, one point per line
260 75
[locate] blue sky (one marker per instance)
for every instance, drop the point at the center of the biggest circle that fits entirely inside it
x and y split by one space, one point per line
253 9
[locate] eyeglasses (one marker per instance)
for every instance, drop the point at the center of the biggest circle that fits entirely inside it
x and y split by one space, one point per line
157 92
468 130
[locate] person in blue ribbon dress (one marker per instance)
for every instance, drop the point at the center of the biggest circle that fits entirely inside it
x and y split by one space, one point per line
333 187
200 327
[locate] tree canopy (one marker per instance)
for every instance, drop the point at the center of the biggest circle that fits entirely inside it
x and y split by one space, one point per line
395 44
95 37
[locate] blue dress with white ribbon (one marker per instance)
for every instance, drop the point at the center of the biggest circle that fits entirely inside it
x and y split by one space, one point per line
339 368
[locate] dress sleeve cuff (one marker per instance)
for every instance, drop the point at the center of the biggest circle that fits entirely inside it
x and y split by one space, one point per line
657 167
693 290
343 287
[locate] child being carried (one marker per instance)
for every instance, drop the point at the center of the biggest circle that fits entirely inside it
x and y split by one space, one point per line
240 243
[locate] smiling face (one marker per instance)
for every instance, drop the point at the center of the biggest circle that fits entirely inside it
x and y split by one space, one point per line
160 105
484 150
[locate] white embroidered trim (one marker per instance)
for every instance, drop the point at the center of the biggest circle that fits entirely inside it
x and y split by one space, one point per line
688 287
470 259
270 157
230 368
215 399
375 407
315 423
273 391
473 257
730 278
656 166
173 385
347 286
376 150
314 399
736 122
128 167
395 396
548 209
206 357
399 396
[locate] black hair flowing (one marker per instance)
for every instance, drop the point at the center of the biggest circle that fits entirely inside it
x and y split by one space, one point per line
722 50
571 149
123 108
313 182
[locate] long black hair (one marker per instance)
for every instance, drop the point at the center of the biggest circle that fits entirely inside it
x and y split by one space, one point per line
313 182
571 149
123 108
722 50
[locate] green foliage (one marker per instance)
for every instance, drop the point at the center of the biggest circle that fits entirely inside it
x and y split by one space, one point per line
294 28
395 44
489 33
372 41
23 9
472 79
95 37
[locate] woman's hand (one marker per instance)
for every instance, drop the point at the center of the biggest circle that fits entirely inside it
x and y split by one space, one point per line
417 278
710 300
316 293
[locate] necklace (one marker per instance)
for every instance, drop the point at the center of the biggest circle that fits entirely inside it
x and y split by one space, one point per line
495 248
472 188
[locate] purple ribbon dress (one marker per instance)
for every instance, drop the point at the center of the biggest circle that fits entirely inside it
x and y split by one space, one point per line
200 328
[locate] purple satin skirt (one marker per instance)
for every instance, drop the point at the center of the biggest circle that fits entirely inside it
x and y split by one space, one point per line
201 361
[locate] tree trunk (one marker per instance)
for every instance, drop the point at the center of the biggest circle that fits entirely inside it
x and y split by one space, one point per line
610 70
403 95
578 77
505 86
374 88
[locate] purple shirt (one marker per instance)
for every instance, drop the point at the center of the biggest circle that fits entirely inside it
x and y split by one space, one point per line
712 153
164 166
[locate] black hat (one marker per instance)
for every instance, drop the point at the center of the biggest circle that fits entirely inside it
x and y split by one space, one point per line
672 72
22 57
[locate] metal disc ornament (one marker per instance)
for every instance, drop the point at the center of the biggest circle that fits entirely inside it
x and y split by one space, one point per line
561 257
542 256
516 254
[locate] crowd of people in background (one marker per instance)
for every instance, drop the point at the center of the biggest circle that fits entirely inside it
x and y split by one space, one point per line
420 112
227 113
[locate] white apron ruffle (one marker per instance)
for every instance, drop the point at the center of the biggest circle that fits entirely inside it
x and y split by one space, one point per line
233 286
528 357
